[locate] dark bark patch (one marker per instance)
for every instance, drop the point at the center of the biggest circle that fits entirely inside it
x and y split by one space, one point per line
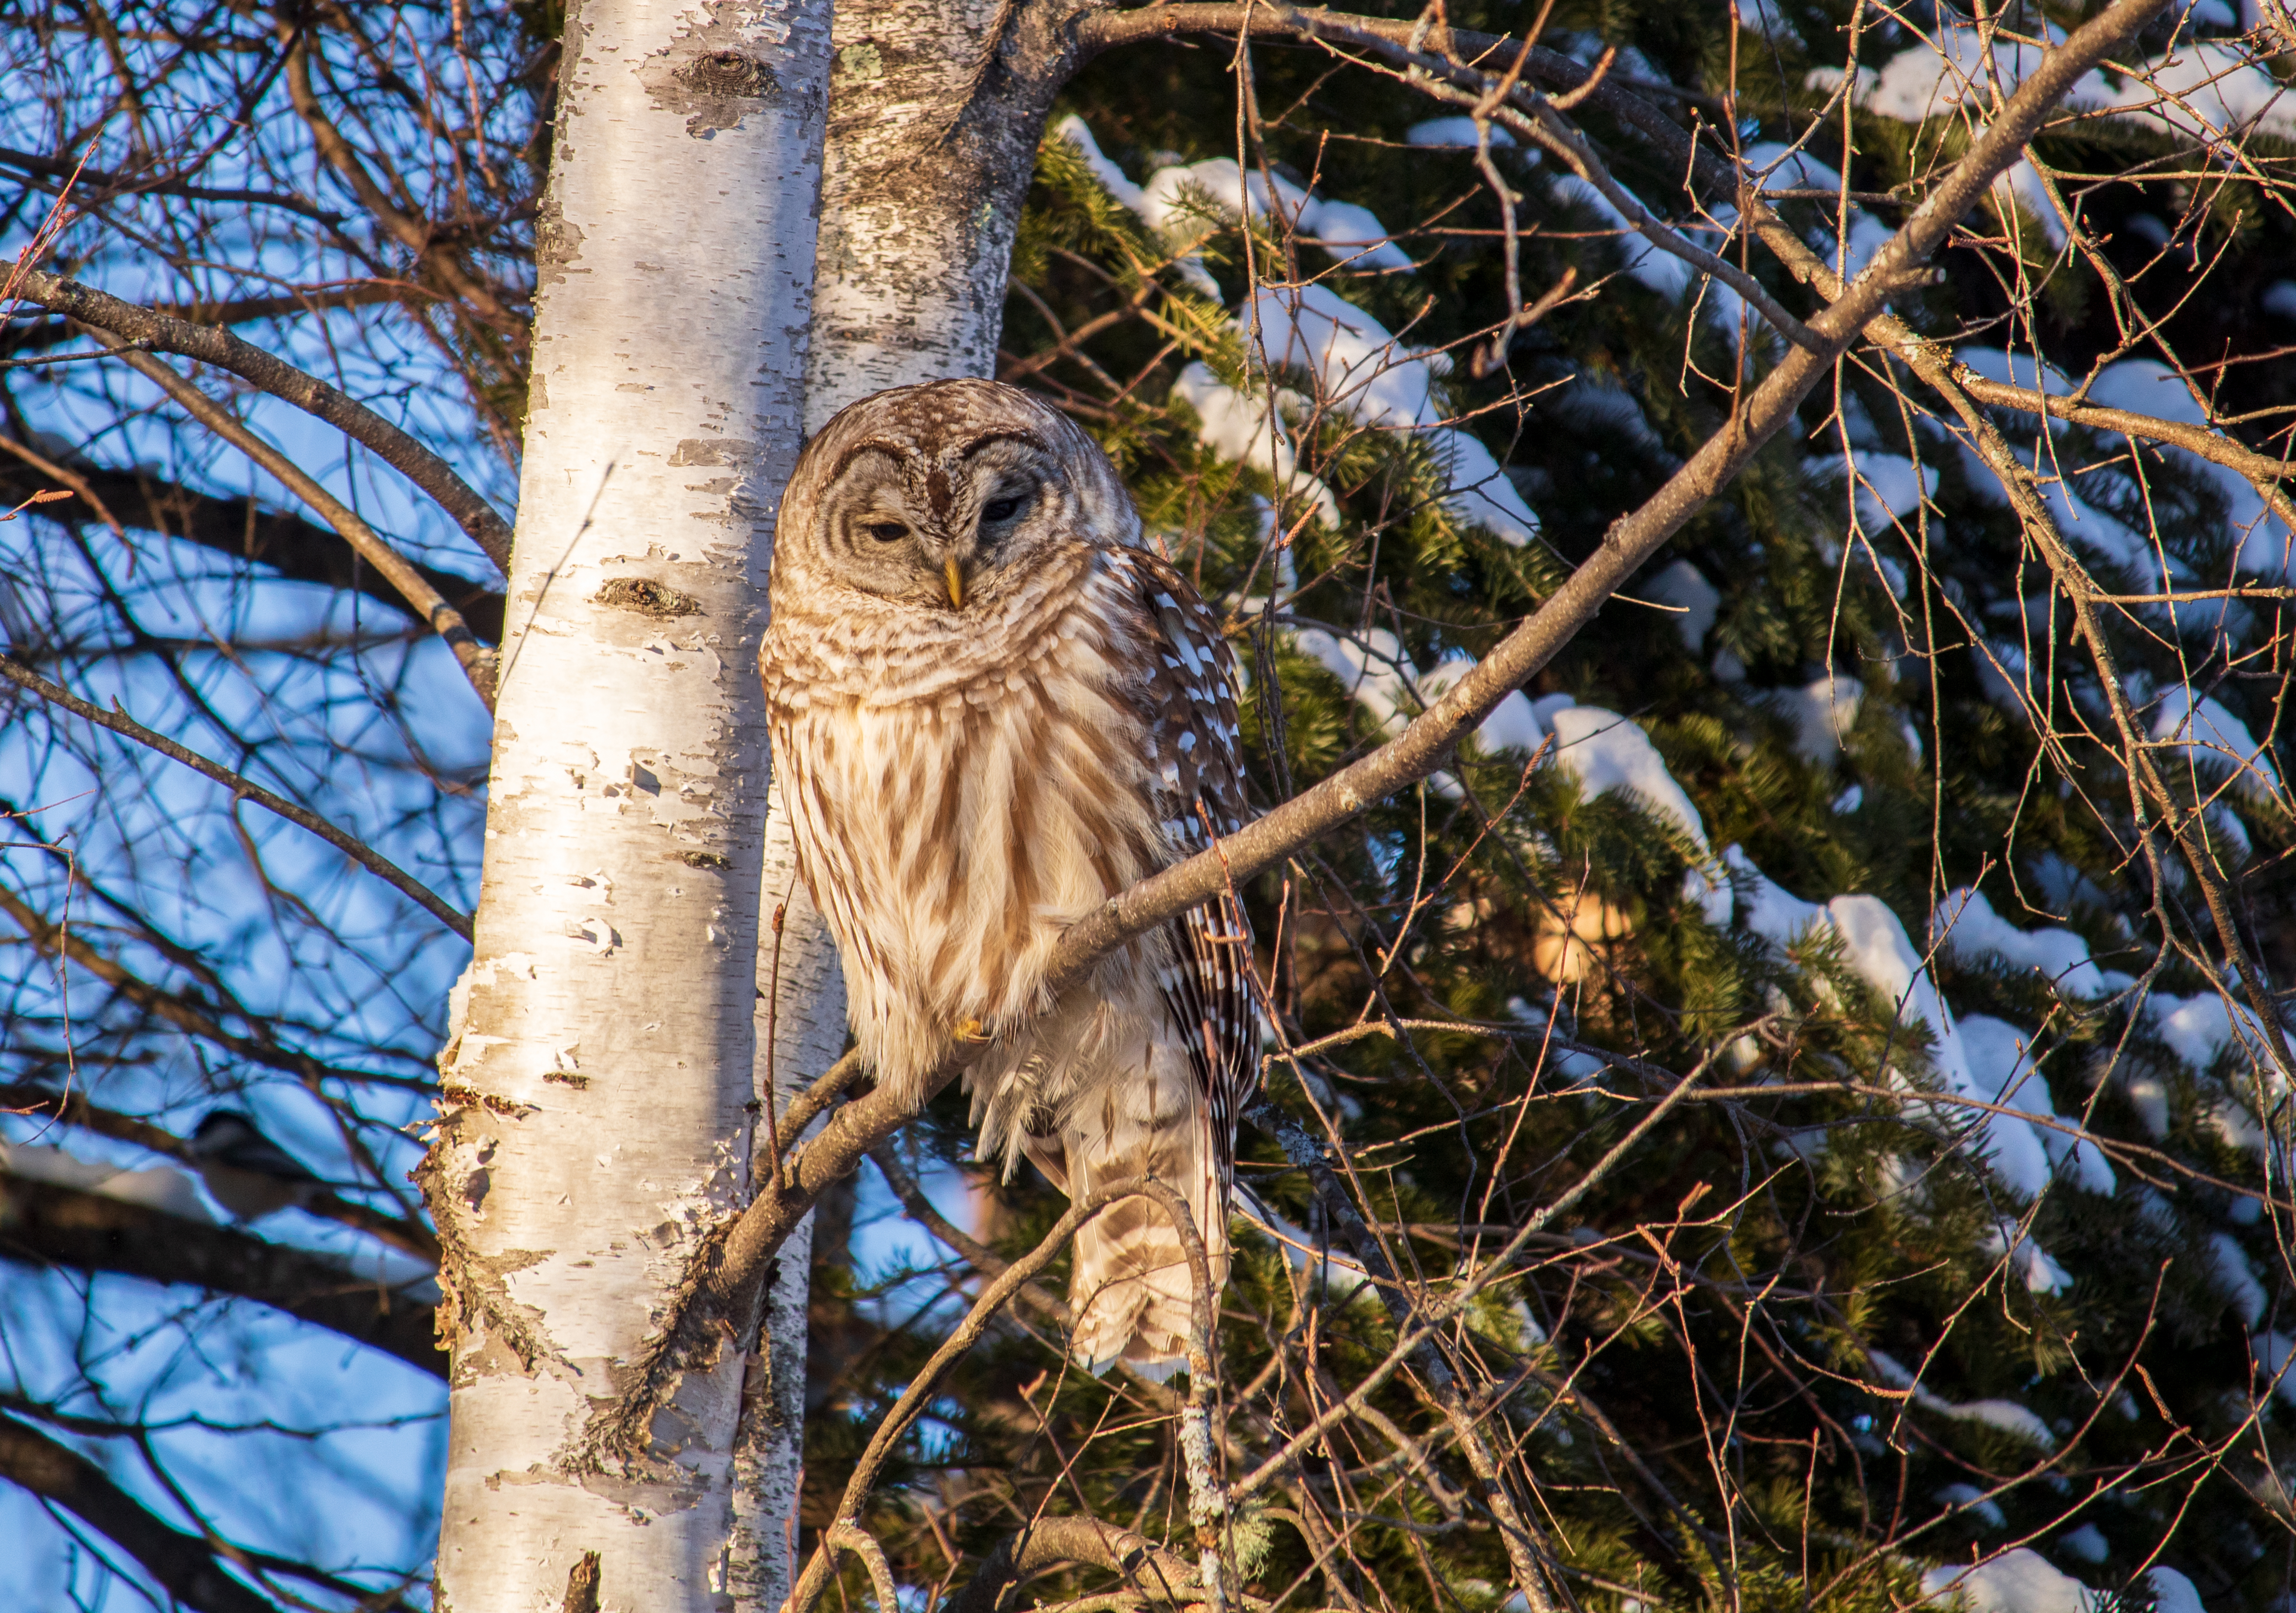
714 86
729 75
647 598
582 1584
557 244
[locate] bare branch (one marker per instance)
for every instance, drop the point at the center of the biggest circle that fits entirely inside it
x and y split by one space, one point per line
414 235
1047 1542
479 663
356 850
39 1102
967 1333
238 310
184 1565
295 549
49 1224
217 345
96 188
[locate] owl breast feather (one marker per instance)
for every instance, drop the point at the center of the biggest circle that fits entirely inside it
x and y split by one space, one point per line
950 836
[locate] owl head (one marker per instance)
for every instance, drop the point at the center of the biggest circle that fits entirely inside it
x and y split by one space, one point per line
940 496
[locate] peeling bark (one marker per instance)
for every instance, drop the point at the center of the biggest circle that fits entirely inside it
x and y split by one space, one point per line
599 1083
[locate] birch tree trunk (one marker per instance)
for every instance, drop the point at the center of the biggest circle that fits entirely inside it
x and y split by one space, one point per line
934 116
800 1029
597 1114
928 154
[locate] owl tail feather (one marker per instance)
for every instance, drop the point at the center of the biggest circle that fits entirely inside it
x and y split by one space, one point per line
1131 1291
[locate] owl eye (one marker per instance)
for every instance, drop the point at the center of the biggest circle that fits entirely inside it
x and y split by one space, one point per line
1002 509
887 531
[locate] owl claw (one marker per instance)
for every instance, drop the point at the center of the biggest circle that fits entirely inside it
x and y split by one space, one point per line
971 1030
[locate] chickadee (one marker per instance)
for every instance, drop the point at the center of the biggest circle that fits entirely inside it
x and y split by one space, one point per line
246 1172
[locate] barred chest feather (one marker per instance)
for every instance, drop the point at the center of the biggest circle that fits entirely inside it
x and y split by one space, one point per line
960 799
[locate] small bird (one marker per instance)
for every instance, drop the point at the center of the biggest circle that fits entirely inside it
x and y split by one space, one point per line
245 1172
992 709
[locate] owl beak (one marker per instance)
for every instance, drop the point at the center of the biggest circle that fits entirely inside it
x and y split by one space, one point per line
955 575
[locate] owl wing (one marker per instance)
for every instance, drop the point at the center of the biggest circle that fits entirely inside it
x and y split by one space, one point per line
1190 716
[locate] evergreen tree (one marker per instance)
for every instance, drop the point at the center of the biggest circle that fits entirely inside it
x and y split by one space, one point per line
1792 1111
1972 1242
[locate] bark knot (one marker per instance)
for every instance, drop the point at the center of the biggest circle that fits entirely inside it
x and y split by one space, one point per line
647 598
714 89
729 75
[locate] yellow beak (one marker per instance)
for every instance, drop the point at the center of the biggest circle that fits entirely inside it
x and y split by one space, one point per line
955 575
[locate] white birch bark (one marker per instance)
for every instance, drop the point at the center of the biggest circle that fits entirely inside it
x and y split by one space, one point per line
929 151
936 109
916 243
801 1024
596 1116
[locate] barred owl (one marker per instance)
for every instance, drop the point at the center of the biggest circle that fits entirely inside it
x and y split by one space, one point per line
991 710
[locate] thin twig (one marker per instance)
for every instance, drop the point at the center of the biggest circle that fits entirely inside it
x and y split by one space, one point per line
244 788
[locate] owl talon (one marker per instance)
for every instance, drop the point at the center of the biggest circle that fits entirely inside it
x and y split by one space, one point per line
971 1030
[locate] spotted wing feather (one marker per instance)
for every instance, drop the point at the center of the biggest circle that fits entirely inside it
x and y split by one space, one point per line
1194 740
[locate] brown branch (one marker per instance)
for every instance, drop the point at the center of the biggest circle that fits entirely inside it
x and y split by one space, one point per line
217 345
820 1095
295 549
184 1014
31 1414
1048 1543
242 788
976 1254
94 186
43 1224
2262 469
21 493
236 311
479 663
414 235
38 1102
993 1298
184 1565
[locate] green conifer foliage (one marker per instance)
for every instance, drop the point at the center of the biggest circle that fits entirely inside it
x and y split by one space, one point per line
1966 1244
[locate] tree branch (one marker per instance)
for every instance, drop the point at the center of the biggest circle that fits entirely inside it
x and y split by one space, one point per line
729 1265
363 1597
43 1224
977 1255
295 549
968 1332
186 1014
479 663
414 235
356 850
184 1565
108 186
238 310
1453 52
36 1101
1047 1542
217 345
